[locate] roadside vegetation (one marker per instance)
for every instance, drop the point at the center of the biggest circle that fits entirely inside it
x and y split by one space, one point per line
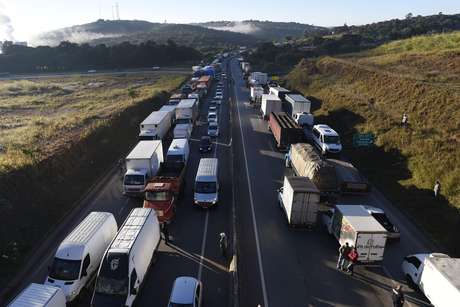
369 92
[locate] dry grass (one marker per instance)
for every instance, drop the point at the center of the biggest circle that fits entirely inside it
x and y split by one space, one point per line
406 162
39 116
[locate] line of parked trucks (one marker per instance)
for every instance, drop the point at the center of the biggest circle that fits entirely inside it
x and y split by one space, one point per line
316 181
118 259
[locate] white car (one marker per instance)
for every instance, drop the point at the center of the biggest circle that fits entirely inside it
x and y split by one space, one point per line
217 96
217 101
213 129
326 139
212 109
412 267
186 291
212 117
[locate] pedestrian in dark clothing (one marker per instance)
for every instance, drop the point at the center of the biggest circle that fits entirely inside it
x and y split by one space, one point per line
343 252
398 296
165 233
405 120
352 259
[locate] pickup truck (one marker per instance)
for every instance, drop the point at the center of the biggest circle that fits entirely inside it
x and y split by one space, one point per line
163 190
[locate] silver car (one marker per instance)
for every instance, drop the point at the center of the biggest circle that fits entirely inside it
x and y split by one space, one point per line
186 292
213 129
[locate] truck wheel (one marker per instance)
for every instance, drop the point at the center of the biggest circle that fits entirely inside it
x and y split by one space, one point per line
410 282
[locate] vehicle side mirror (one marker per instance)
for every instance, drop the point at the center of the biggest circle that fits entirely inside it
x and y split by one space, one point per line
133 291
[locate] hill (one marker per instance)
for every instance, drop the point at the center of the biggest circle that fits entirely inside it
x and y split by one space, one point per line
369 92
266 30
112 32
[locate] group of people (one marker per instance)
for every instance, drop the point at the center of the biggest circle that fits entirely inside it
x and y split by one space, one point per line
348 256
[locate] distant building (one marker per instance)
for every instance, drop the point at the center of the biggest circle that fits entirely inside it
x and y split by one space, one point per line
20 43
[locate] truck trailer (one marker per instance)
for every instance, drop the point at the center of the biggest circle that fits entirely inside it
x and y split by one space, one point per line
284 130
297 104
187 111
350 179
155 126
256 93
270 103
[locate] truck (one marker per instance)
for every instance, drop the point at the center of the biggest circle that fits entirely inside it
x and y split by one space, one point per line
304 119
182 131
278 91
306 162
171 109
299 199
38 295
142 163
436 275
284 130
258 78
297 104
155 126
352 224
186 111
270 103
350 179
163 190
256 93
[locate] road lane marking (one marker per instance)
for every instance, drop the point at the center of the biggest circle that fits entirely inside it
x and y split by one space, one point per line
203 245
254 222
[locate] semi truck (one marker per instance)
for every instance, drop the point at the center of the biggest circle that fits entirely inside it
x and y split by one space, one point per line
270 103
172 111
354 225
155 126
142 163
278 91
299 199
306 162
183 131
349 178
258 78
163 190
187 111
284 130
297 104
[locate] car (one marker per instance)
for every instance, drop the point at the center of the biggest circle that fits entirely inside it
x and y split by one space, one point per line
205 144
216 101
382 218
219 92
213 129
411 267
326 139
156 68
217 96
212 108
92 71
220 84
186 291
212 117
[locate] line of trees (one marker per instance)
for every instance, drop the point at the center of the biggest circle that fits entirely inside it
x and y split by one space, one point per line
70 56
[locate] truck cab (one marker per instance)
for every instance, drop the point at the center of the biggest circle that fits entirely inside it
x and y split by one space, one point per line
134 181
160 196
303 119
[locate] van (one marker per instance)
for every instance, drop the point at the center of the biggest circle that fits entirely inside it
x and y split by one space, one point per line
78 256
207 183
178 151
127 260
326 139
37 295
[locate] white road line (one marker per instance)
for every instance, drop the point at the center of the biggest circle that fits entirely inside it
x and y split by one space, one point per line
203 245
254 222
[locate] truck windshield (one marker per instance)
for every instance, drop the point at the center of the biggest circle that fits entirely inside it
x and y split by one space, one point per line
330 139
62 269
174 158
183 121
113 277
205 187
134 180
157 196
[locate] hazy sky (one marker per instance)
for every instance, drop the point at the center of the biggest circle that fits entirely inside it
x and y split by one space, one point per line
24 18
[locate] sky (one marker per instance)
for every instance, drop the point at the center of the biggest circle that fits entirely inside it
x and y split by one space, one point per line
21 20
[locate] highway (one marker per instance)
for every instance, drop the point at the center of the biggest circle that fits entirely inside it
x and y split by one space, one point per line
276 266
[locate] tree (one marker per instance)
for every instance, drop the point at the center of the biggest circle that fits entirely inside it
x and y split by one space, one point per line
409 16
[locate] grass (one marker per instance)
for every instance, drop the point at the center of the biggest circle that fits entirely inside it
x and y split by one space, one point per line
37 117
369 92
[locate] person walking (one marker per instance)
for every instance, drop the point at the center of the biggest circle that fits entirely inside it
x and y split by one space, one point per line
405 120
343 252
352 259
223 244
165 231
437 188
398 296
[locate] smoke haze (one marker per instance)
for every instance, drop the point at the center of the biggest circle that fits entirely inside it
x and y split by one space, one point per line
239 27
6 28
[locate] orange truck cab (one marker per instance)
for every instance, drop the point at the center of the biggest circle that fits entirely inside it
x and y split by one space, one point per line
161 197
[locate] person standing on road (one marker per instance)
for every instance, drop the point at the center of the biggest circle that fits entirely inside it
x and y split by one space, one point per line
223 244
352 259
343 252
165 231
437 188
398 296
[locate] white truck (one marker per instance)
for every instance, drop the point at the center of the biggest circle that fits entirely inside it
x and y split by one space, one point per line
155 126
297 103
186 111
127 260
278 91
258 78
172 111
142 163
299 200
182 131
355 225
436 275
256 93
270 103
77 259
36 295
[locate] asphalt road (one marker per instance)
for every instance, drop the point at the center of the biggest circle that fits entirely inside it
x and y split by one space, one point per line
277 266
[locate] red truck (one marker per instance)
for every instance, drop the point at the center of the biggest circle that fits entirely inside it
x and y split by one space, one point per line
285 130
163 190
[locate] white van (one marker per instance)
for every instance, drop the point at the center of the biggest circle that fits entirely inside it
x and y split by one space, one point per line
207 183
326 139
79 255
127 260
37 295
178 151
